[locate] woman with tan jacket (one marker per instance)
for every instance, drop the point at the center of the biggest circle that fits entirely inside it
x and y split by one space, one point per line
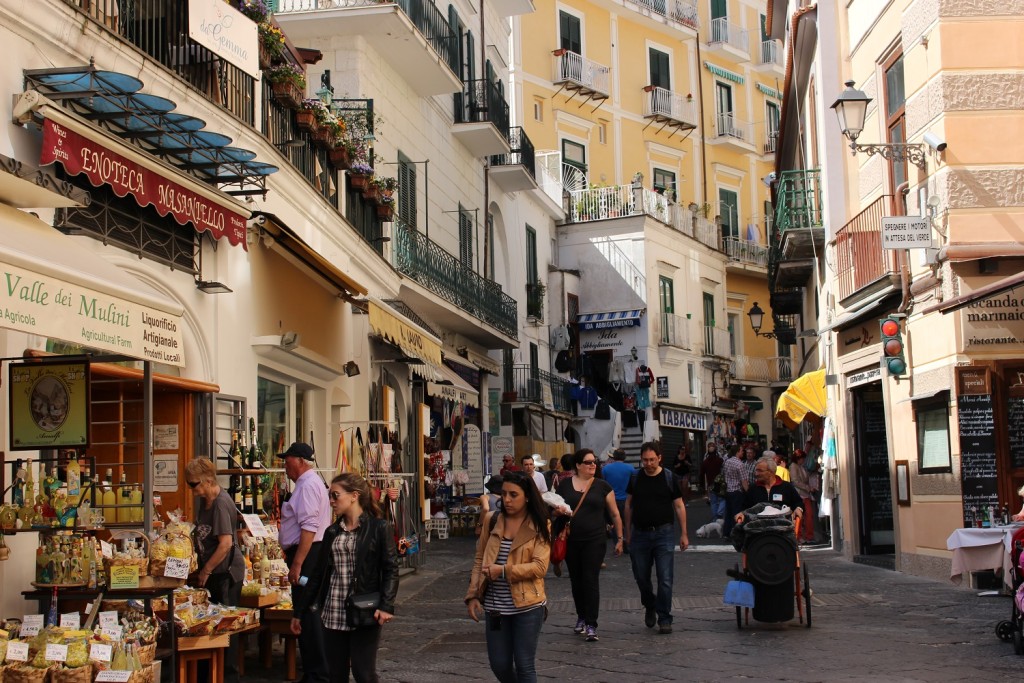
507 584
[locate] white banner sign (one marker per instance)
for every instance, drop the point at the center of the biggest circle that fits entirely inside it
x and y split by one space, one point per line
906 232
225 31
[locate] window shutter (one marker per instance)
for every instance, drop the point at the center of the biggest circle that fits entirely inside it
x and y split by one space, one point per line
407 194
465 238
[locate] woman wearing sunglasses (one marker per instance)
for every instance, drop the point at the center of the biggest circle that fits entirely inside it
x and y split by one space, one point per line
355 582
507 583
221 567
591 499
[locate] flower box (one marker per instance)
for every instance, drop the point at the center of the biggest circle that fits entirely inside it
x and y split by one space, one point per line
340 157
265 58
287 94
305 119
371 192
323 138
359 181
386 212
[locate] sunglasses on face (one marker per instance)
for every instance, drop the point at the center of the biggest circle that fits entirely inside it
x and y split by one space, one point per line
192 484
334 495
589 462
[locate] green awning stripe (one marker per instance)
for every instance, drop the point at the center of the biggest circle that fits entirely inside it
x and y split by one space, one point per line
770 92
724 73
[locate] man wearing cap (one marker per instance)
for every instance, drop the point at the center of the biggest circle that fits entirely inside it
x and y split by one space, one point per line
304 517
530 470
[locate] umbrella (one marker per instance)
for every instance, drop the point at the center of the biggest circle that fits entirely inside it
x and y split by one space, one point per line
805 395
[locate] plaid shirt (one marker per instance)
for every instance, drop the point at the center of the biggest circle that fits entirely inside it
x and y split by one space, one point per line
734 472
343 561
749 465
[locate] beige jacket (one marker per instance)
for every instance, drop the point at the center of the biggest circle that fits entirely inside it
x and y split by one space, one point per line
527 562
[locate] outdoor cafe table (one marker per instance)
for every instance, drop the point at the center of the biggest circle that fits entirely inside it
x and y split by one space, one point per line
980 550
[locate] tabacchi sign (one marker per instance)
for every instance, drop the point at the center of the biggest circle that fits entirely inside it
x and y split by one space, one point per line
102 166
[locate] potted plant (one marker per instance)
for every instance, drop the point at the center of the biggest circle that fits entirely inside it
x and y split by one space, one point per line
272 43
288 83
341 155
386 207
256 10
307 117
386 185
359 175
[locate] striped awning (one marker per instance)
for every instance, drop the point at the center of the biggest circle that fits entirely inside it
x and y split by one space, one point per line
770 92
724 73
610 320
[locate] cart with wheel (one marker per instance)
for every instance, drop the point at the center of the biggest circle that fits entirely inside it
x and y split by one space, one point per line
1012 630
771 564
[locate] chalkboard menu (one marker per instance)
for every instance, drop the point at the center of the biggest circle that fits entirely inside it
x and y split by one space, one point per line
978 473
1015 429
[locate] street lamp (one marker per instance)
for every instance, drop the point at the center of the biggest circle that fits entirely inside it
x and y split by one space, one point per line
851 108
756 316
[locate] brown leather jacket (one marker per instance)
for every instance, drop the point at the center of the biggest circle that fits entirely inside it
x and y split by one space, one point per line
527 562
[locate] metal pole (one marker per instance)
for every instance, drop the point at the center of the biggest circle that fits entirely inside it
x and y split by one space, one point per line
147 445
886 407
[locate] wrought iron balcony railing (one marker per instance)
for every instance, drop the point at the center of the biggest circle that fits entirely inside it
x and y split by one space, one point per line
521 152
724 32
481 101
424 261
799 201
682 12
859 254
529 385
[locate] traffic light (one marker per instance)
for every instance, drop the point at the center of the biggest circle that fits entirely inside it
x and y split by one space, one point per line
892 345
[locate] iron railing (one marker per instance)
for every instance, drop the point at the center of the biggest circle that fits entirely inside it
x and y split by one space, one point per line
159 28
716 341
577 69
424 261
528 384
481 101
799 201
682 12
730 126
662 102
725 32
771 141
521 152
860 259
675 331
770 52
745 251
760 369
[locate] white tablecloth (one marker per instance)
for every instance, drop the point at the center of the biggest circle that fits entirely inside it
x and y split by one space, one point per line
981 549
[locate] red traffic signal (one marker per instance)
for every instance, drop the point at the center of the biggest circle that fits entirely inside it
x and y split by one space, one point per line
892 346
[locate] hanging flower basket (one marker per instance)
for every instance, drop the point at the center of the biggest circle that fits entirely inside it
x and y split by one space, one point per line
386 212
359 181
287 94
265 57
323 138
305 119
340 157
371 192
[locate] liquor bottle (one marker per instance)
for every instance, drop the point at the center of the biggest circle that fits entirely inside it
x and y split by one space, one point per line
109 498
235 454
258 485
1005 516
18 493
124 497
236 492
136 513
50 483
255 454
265 568
247 501
30 487
74 477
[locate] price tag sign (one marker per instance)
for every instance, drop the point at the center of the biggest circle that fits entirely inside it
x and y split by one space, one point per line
71 620
56 653
106 549
113 632
255 525
176 568
31 625
108 619
123 577
99 652
17 652
113 676
158 499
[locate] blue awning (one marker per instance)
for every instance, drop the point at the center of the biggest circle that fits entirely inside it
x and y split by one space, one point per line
610 320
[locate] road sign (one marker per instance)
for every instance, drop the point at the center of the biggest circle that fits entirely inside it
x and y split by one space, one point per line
906 232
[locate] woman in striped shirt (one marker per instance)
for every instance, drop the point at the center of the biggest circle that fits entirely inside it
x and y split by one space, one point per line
507 583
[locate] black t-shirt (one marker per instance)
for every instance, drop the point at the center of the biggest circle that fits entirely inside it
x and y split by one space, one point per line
589 522
653 502
783 493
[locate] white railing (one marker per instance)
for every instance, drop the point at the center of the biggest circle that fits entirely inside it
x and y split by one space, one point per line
584 72
724 32
676 10
746 251
760 369
770 52
284 6
696 226
661 102
548 166
597 203
675 331
623 265
655 204
716 341
771 139
573 179
728 125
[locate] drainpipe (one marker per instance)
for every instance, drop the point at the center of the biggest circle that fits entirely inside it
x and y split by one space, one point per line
703 136
487 160
904 258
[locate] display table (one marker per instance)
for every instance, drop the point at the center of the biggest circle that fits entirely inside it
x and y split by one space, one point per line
279 623
977 550
195 649
261 602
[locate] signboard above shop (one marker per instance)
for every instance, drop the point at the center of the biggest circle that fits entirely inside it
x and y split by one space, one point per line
223 30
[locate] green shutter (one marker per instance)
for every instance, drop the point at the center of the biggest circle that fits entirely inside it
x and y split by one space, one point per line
659 69
465 238
407 192
719 9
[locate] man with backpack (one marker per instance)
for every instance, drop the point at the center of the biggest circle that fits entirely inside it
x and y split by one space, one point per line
653 502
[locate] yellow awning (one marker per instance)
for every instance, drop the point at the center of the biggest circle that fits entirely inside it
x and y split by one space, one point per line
405 334
805 395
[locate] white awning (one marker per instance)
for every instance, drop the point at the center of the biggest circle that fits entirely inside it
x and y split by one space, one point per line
453 388
55 288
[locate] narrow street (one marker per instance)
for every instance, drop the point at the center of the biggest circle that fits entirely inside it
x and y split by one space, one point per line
869 624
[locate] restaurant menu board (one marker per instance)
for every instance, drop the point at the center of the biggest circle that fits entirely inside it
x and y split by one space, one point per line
978 474
1015 430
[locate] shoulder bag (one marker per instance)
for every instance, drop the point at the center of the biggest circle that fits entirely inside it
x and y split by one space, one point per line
560 544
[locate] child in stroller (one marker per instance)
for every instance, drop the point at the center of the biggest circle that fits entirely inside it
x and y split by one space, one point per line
1012 629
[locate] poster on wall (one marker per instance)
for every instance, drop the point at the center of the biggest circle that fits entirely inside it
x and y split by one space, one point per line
49 405
473 458
500 447
165 473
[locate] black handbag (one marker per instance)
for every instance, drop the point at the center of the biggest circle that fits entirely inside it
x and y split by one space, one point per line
359 609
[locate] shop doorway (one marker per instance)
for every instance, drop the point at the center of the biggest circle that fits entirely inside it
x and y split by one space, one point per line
874 489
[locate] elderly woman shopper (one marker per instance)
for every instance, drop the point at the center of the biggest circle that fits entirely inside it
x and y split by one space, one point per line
590 499
355 582
221 566
507 583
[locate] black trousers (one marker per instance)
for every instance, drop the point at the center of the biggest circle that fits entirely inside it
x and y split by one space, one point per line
583 559
311 642
355 650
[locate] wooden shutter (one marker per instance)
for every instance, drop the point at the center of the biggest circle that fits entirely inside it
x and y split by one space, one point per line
407 193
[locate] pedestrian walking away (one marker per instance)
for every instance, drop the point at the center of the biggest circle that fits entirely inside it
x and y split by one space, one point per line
354 583
590 498
653 502
617 473
710 468
507 582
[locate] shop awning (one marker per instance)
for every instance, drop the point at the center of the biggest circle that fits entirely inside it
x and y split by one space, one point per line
55 287
609 320
752 402
413 340
724 73
453 388
805 395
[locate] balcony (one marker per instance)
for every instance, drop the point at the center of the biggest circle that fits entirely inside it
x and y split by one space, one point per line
481 118
675 331
771 141
745 369
745 253
160 30
771 57
580 75
425 262
863 268
535 301
412 36
733 133
670 109
729 38
666 16
716 342
549 175
513 8
526 384
515 171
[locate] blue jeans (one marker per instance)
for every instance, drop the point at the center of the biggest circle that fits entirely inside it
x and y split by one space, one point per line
512 645
717 505
647 548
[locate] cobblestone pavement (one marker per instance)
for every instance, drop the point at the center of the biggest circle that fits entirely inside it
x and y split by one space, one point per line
869 624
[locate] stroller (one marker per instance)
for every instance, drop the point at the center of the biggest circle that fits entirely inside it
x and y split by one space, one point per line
1012 629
